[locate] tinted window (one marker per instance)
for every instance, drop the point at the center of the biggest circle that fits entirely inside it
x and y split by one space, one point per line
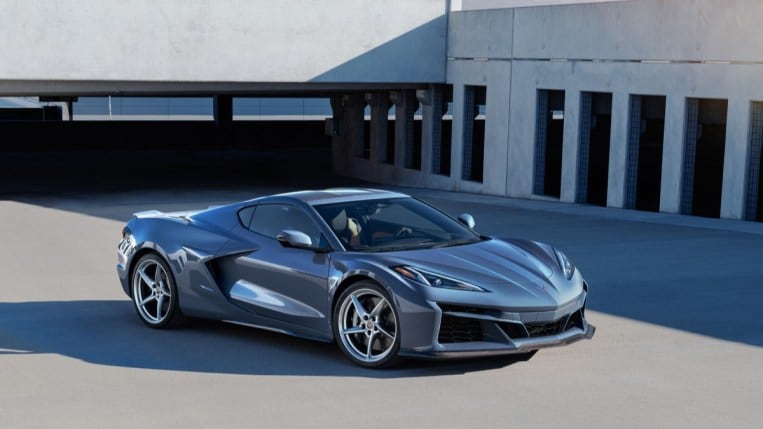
270 219
245 216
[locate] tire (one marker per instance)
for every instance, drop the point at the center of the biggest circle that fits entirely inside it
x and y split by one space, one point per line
366 325
154 293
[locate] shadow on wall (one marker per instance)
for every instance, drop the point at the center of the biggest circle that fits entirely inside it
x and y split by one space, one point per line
420 52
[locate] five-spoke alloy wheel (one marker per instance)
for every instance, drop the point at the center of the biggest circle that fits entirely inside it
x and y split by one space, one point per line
154 292
366 325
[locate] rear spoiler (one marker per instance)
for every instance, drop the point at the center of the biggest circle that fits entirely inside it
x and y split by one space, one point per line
148 213
160 214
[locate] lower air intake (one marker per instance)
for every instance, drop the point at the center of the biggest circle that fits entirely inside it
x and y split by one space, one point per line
459 330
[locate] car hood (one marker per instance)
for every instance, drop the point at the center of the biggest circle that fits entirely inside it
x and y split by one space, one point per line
518 268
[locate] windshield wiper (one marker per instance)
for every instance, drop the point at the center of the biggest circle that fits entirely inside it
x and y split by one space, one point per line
409 246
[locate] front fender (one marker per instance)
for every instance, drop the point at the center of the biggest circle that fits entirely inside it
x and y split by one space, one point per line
417 317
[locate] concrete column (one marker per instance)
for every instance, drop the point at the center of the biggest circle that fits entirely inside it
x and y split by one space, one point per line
430 99
735 159
539 154
67 110
633 145
570 146
673 154
495 163
618 150
457 142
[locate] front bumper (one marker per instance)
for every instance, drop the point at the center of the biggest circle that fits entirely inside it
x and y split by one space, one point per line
473 331
484 348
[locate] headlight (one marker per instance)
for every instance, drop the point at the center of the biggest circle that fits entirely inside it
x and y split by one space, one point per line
565 264
435 280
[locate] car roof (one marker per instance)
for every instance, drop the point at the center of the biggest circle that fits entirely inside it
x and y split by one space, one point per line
340 195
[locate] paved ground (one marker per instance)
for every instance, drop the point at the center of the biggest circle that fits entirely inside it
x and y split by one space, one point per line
676 300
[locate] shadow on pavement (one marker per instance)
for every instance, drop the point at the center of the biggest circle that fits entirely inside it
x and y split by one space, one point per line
110 333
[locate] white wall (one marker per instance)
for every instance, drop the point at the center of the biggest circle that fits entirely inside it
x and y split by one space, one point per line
221 41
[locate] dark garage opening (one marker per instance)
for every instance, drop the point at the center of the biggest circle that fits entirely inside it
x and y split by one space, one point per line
703 157
474 132
413 136
754 197
389 155
441 145
365 149
549 132
415 161
593 160
646 135
759 212
152 151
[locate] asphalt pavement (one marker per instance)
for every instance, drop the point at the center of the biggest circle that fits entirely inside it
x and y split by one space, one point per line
676 300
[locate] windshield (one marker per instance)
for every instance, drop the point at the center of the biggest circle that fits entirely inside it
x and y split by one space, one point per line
393 224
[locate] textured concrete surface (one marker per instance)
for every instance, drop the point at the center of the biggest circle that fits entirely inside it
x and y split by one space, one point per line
118 46
675 299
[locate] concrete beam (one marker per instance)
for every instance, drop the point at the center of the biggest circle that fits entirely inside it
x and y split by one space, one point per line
735 159
570 146
618 150
673 154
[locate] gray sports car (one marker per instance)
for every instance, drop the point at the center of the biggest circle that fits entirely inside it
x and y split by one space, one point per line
381 273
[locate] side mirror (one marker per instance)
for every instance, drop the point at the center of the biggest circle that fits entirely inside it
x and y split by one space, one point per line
466 219
292 238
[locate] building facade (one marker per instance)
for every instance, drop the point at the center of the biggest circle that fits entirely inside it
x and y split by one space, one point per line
640 104
646 104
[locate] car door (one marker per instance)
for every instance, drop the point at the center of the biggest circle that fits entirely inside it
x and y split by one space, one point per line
284 283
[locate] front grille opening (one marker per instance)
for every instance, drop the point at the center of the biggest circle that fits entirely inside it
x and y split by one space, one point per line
542 329
576 320
513 330
461 309
451 308
459 330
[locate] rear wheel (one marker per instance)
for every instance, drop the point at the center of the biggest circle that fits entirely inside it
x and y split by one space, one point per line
366 325
154 292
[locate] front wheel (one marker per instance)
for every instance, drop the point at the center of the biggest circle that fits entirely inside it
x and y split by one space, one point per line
366 325
154 292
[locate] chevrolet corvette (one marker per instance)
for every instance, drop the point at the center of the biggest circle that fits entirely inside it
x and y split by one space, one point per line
383 274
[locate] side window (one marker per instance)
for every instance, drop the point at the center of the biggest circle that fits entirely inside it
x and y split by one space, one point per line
245 216
270 219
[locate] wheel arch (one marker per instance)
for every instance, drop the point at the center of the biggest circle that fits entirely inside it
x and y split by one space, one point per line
391 353
349 281
144 250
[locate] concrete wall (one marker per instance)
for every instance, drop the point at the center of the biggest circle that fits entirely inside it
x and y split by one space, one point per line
44 42
675 30
675 48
